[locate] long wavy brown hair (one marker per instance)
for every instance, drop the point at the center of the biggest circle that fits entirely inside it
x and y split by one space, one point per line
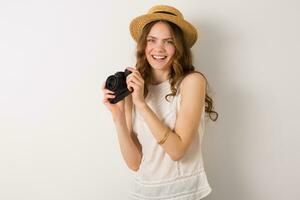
181 64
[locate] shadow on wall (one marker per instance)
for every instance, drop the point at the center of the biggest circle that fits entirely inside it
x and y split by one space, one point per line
223 141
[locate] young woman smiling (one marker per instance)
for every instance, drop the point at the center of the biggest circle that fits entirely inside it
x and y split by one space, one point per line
161 124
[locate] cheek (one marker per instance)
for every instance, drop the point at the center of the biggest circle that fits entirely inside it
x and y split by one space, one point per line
171 50
147 49
147 53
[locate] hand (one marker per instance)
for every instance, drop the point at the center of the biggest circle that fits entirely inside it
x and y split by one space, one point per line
136 82
118 109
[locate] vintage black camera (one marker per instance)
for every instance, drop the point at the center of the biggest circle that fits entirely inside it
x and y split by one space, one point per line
117 84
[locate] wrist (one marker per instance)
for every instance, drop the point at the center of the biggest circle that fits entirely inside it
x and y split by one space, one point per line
117 117
141 105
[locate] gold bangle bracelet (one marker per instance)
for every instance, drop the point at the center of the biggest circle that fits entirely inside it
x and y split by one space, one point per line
165 137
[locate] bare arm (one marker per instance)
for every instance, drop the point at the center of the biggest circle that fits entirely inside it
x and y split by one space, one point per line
121 113
188 118
129 150
130 147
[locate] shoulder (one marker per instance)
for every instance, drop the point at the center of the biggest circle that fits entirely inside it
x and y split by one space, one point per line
193 80
193 89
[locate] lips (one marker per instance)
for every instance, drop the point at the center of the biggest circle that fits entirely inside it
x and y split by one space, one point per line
159 57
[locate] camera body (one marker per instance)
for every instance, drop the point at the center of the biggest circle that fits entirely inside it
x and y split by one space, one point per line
117 84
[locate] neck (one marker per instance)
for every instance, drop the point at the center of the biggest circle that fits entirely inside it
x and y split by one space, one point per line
159 76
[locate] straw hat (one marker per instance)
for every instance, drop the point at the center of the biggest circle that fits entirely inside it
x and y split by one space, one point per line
168 13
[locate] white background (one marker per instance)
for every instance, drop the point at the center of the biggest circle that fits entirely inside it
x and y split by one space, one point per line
58 141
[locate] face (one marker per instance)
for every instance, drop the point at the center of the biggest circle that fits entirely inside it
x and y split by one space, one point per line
160 47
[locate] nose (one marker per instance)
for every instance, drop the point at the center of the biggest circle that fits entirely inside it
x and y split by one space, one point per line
160 46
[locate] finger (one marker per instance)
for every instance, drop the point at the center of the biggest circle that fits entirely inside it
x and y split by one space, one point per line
135 71
136 79
109 96
104 101
138 76
129 86
135 85
107 103
131 69
106 91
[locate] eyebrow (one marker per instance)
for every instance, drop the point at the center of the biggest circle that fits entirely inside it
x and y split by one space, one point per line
157 38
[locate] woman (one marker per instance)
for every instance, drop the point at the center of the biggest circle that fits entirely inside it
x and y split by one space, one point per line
161 124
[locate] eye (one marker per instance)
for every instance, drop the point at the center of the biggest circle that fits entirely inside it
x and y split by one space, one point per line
169 42
150 40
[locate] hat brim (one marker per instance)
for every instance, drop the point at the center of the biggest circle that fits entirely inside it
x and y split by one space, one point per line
138 23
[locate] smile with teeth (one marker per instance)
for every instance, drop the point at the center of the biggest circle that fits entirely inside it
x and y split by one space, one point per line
156 57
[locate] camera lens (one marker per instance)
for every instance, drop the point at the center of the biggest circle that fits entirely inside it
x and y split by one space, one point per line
112 83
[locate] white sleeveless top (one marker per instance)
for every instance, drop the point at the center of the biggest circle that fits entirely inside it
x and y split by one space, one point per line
159 177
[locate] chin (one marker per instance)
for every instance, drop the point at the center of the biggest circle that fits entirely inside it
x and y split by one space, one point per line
163 66
159 67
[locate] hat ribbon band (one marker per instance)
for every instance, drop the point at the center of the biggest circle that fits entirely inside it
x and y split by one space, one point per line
165 12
